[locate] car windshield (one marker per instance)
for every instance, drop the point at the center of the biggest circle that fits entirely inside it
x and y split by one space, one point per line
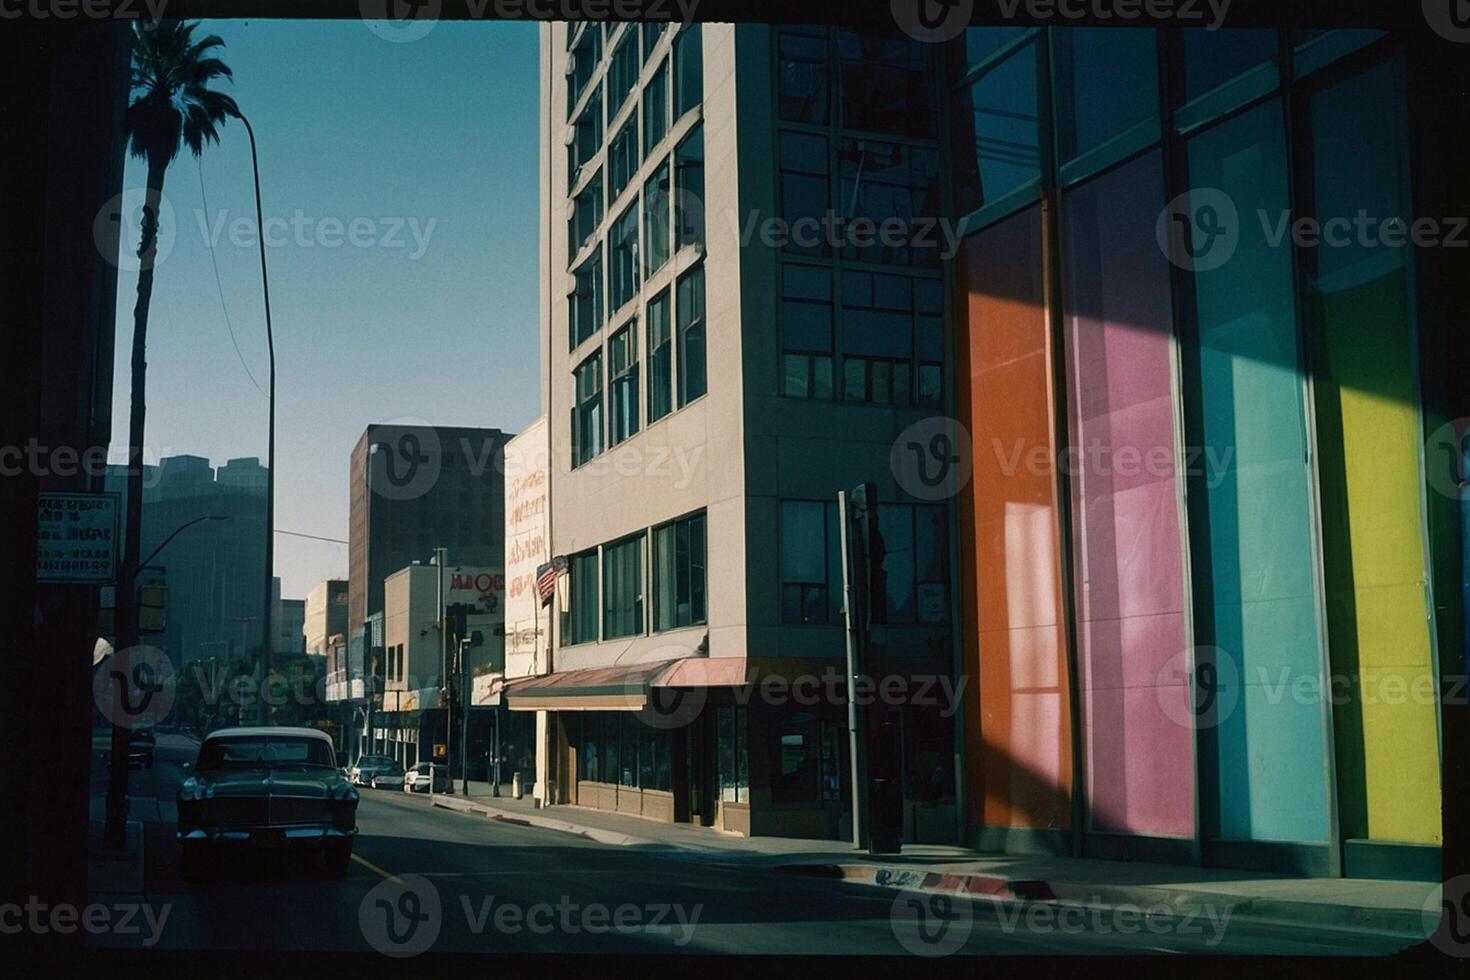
272 750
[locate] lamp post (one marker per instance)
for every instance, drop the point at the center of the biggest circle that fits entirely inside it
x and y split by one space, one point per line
270 459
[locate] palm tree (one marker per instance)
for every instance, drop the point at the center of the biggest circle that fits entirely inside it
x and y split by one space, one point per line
171 106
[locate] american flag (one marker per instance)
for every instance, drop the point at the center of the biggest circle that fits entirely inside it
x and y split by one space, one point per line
546 576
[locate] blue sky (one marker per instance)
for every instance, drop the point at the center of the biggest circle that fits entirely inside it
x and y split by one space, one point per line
404 288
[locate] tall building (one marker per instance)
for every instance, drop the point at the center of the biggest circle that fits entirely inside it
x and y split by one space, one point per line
414 488
289 622
1156 515
326 615
213 569
711 388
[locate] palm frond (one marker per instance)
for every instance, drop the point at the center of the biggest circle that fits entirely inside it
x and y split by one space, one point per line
172 104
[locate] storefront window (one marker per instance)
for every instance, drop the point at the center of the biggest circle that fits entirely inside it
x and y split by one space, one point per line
796 760
730 743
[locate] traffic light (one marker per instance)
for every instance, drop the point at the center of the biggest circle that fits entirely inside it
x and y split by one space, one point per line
869 580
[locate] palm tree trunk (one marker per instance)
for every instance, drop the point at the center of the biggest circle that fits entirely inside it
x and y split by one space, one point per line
126 612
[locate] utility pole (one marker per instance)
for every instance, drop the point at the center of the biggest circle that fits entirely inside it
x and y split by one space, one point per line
464 722
439 559
851 622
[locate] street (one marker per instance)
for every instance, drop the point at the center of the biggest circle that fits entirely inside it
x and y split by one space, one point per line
425 878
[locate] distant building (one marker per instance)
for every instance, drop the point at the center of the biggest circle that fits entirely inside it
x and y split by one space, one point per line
289 622
213 570
326 615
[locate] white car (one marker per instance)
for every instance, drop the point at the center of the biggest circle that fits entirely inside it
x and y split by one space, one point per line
416 780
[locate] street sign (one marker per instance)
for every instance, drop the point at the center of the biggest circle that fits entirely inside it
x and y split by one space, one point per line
152 600
77 538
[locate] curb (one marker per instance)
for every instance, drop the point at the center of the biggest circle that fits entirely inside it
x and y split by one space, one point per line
1399 923
546 823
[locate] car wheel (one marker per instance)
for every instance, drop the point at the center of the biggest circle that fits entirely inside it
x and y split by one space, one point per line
338 860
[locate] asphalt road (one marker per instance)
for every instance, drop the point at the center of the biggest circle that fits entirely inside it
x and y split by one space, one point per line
425 879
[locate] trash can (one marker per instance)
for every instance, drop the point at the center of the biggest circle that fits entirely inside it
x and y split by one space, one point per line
515 785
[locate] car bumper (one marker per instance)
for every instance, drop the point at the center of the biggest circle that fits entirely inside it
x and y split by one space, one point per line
266 836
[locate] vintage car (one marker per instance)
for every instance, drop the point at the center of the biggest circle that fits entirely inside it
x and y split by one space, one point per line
266 788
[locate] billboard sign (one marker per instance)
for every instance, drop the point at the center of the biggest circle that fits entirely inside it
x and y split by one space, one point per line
77 538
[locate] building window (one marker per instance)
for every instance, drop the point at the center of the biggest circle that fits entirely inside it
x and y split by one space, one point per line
579 622
806 192
806 331
679 573
622 588
622 158
586 139
796 768
689 69
588 769
929 340
887 85
586 300
996 134
584 58
623 250
656 220
587 412
660 358
733 769
915 563
622 72
690 310
802 75
656 108
877 338
1107 83
882 181
585 217
652 31
622 383
689 181
811 562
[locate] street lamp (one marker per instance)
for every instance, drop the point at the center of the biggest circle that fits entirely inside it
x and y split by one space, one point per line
177 531
270 459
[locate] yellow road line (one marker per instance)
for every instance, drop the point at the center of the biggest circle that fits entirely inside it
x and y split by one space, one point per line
373 867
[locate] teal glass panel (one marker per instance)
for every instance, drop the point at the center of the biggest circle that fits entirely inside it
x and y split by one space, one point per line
1261 687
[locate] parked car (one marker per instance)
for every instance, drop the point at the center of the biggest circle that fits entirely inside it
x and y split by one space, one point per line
386 777
266 788
416 780
367 766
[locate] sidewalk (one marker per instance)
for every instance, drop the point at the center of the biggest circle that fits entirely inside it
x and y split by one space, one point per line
1394 908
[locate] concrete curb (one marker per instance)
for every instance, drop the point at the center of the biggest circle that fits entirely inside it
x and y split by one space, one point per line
546 823
1400 923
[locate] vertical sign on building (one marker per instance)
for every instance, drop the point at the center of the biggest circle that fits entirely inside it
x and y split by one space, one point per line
527 466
